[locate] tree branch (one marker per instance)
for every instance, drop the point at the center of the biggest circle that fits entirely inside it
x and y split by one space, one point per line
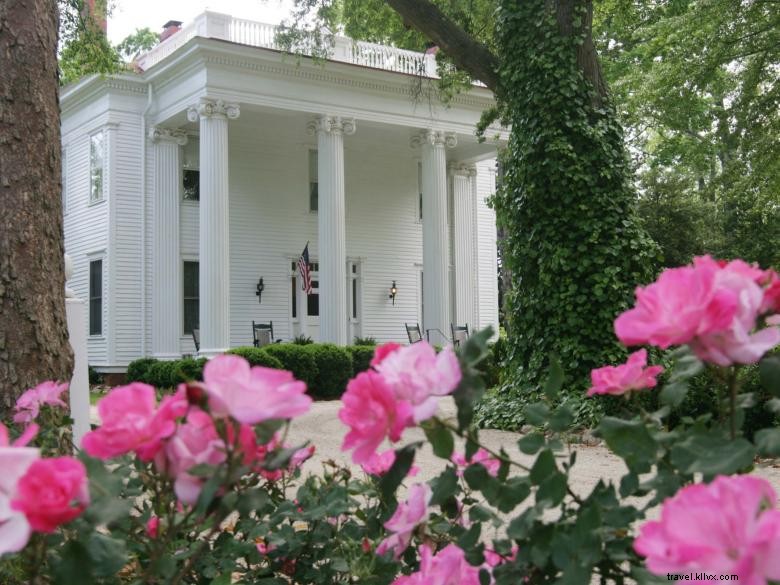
467 53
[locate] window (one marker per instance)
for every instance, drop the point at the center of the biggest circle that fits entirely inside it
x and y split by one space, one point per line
313 182
313 300
96 160
353 276
64 181
191 185
96 297
191 297
419 191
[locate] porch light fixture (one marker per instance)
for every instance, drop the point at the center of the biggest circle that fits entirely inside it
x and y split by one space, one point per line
393 292
260 289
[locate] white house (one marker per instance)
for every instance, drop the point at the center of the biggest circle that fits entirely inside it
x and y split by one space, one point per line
213 166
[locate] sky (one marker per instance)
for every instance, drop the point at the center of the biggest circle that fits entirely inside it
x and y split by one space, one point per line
129 15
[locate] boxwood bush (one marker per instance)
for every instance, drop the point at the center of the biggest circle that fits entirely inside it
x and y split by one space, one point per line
334 369
361 357
137 370
297 359
257 356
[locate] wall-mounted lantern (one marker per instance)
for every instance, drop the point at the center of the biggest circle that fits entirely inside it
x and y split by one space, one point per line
393 292
260 289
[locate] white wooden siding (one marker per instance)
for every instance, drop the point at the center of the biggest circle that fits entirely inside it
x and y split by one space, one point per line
486 246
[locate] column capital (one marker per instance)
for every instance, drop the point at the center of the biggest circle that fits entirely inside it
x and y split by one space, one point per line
160 134
434 138
463 170
331 124
208 108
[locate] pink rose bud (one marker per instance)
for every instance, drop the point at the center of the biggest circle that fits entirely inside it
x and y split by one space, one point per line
152 527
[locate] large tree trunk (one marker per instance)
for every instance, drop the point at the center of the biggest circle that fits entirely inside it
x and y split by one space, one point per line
33 332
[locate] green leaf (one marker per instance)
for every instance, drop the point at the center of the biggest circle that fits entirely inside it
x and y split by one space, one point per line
223 579
631 441
476 476
444 486
74 565
440 438
768 442
562 418
554 379
769 373
543 467
537 413
552 490
712 455
398 471
281 457
531 443
207 493
108 554
674 393
773 404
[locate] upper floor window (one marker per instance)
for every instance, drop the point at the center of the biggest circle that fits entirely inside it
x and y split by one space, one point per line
313 182
96 164
191 185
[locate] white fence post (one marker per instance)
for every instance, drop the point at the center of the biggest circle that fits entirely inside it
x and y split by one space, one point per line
76 313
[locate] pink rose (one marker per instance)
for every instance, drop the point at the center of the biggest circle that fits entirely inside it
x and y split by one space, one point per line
379 463
417 375
771 301
713 306
52 492
405 519
252 395
28 435
130 422
29 404
195 442
447 567
617 380
730 526
493 559
15 529
482 457
152 527
372 412
382 351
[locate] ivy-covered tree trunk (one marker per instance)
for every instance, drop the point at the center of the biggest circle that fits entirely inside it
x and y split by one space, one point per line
33 331
572 239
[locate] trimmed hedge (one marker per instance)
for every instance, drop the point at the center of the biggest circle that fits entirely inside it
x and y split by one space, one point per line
257 356
297 359
334 367
361 357
137 370
165 374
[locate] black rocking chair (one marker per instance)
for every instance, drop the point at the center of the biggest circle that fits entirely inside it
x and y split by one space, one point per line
263 333
413 332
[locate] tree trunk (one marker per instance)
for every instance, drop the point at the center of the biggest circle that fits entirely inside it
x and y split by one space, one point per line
33 331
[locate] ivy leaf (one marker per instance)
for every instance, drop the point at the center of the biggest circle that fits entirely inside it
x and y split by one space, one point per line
712 455
440 438
768 442
554 379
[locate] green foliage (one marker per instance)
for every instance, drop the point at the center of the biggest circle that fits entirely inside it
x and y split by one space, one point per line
257 356
165 374
84 47
302 340
137 43
137 369
361 357
334 369
95 377
297 360
573 240
365 341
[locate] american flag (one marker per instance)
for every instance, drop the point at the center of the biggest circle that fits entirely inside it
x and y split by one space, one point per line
303 269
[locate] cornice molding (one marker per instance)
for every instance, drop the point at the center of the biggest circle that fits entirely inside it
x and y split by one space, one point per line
434 138
461 170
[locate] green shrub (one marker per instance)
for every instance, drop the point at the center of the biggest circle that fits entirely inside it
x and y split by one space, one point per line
95 377
302 340
163 374
296 359
191 369
334 367
138 369
365 341
361 357
257 356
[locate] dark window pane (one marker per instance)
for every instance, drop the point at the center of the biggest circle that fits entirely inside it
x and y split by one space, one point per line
96 297
191 296
294 297
354 298
313 196
191 185
314 305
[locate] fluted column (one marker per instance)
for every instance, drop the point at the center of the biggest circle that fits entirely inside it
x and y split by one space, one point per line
330 132
166 260
436 290
214 248
463 233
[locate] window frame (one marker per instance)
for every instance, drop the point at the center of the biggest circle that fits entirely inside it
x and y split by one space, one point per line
184 197
185 298
101 190
314 183
92 298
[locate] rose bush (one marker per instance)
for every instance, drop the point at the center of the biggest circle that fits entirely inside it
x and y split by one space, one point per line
204 488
